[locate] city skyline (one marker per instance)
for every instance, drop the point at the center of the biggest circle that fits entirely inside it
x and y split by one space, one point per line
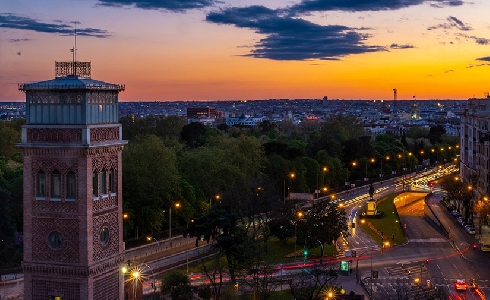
226 50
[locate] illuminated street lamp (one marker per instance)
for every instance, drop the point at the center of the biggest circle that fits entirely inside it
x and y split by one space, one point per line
217 197
317 191
299 216
290 176
177 206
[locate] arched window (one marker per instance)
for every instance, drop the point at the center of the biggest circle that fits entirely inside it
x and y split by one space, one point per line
95 185
56 185
103 183
112 187
40 184
71 186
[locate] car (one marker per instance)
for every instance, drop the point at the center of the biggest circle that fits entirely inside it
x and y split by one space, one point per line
455 213
470 230
460 285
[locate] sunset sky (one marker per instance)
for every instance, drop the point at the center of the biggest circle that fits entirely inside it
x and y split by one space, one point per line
233 50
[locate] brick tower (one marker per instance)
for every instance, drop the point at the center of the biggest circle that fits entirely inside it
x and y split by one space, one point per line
72 146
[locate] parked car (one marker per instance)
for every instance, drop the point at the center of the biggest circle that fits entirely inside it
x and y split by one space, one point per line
470 230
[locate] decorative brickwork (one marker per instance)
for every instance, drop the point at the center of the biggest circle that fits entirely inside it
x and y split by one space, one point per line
45 289
48 165
68 252
107 287
41 206
107 162
104 134
105 203
54 135
110 221
73 272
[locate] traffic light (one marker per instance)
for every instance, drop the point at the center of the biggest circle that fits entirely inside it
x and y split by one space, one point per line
353 253
375 274
305 252
427 261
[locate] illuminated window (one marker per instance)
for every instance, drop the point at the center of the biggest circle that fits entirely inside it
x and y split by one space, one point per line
40 184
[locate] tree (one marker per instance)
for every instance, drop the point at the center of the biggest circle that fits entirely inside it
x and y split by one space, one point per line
324 222
435 134
313 284
193 134
231 239
151 181
177 285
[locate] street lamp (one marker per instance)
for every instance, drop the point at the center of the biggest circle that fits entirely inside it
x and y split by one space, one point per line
299 216
291 176
150 238
317 191
372 160
217 197
177 206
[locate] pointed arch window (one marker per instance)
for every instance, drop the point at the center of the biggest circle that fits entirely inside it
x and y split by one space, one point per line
71 186
112 187
40 184
103 183
56 185
95 185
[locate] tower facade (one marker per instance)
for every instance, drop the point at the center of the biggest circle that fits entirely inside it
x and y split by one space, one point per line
72 146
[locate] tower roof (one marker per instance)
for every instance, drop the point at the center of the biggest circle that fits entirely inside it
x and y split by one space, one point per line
73 75
71 82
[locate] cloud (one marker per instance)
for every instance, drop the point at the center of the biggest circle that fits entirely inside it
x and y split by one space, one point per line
453 22
24 23
486 58
478 65
478 40
441 4
288 38
18 40
169 5
397 46
365 5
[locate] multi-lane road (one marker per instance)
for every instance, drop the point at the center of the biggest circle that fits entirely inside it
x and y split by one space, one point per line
429 258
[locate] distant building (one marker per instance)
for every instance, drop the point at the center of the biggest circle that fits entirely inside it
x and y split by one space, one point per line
244 120
206 115
475 145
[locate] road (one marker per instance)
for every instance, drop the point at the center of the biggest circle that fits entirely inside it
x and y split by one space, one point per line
428 255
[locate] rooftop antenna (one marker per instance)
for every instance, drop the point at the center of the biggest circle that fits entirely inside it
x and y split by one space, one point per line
394 98
74 52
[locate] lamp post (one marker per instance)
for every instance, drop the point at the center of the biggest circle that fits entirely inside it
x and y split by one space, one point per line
299 216
317 191
291 176
150 238
217 197
177 205
372 160
354 164
357 265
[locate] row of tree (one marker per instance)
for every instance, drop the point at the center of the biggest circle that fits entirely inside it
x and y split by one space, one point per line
168 161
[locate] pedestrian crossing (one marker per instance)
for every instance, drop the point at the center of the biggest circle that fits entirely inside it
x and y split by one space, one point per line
408 271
